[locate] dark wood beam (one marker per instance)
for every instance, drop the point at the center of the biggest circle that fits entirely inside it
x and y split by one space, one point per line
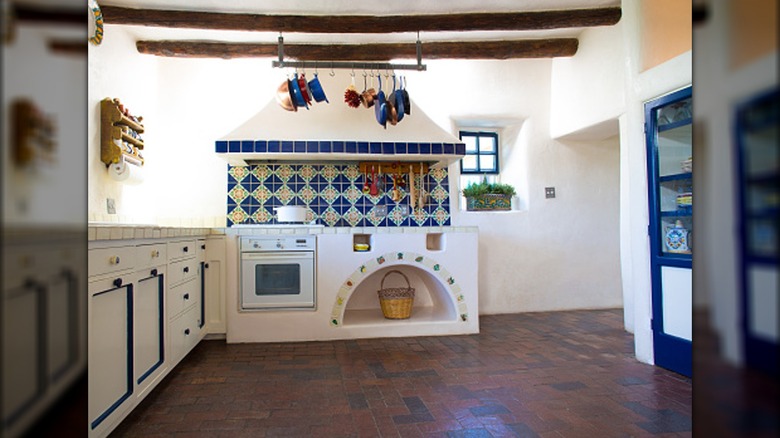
68 47
363 24
49 14
543 48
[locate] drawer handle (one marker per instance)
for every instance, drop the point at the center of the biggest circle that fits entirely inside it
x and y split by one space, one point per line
113 260
186 296
186 249
154 272
186 332
186 269
118 282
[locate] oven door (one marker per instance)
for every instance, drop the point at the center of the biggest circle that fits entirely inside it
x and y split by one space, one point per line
277 280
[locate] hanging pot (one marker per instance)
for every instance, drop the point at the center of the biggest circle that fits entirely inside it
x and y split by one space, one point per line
291 213
407 103
380 109
284 98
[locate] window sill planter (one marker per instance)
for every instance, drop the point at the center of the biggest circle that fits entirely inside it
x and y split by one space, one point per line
489 202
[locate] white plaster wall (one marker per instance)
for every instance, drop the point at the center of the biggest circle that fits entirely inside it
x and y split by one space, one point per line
586 89
45 192
116 70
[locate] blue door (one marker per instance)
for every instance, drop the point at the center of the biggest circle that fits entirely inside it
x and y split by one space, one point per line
758 179
670 184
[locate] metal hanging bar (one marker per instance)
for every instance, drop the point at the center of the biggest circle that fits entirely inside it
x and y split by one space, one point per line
281 63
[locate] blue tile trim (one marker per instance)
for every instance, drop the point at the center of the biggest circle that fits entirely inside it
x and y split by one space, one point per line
247 146
374 148
449 148
221 146
274 146
351 147
413 148
312 147
287 146
234 146
362 147
298 146
338 146
325 147
261 146
460 149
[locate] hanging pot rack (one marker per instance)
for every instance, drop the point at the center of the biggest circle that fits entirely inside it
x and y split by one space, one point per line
281 63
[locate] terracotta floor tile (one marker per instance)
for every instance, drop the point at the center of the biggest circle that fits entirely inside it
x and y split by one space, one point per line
550 375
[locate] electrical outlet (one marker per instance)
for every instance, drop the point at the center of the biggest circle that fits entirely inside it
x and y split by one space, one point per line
380 211
549 192
110 206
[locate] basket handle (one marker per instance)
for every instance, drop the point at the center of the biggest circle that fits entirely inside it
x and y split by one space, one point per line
382 284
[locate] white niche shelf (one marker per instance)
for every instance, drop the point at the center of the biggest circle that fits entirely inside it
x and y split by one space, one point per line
432 302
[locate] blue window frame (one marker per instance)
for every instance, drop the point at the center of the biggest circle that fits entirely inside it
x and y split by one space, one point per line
481 153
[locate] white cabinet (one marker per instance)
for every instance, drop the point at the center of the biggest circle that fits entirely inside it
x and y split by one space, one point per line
184 297
214 283
149 317
110 325
43 343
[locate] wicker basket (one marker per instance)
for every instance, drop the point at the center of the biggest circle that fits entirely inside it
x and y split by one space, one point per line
396 302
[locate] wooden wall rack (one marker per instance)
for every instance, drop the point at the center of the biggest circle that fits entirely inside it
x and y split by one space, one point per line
119 134
387 167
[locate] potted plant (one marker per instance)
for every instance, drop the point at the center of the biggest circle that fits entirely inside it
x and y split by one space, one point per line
488 196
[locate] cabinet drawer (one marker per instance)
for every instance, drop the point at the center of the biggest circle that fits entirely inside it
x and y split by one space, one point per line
105 260
201 253
182 270
181 249
183 296
184 334
150 255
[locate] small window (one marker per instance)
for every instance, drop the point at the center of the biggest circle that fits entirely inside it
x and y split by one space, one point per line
481 153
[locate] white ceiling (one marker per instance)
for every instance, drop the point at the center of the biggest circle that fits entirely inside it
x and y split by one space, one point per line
312 8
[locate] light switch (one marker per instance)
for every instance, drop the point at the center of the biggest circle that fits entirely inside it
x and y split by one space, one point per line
549 192
110 206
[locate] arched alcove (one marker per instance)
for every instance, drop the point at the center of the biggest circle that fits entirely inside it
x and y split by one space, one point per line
438 297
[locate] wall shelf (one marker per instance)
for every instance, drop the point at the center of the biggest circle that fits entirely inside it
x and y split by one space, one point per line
119 134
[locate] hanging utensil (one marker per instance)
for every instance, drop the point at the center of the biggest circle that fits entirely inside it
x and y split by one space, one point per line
407 103
366 188
423 195
411 187
374 190
381 182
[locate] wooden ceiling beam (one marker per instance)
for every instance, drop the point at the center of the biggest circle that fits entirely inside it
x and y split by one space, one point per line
542 48
511 21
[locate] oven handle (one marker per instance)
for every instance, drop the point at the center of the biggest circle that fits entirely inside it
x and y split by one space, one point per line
277 255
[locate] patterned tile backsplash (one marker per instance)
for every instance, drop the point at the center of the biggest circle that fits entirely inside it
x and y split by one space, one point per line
334 195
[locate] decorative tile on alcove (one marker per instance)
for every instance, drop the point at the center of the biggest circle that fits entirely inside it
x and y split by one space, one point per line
329 172
238 172
441 216
438 174
330 217
419 216
329 194
307 172
352 194
261 172
439 194
262 194
284 172
284 195
238 193
262 216
307 194
353 216
396 215
374 218
238 215
352 172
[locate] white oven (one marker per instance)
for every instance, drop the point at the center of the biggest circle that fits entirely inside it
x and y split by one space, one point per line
277 272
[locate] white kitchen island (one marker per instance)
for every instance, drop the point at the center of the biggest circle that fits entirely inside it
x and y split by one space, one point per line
441 264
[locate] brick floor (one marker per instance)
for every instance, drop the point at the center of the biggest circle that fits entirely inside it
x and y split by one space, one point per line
553 374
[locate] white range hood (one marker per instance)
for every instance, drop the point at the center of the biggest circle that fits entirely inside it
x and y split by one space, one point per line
336 132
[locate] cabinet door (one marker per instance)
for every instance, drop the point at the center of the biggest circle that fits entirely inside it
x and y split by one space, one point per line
670 160
149 325
23 373
759 201
110 355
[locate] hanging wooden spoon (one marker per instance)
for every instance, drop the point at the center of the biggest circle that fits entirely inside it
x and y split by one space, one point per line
411 187
422 200
374 190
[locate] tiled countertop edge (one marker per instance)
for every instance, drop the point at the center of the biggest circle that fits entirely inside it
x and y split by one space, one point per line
128 232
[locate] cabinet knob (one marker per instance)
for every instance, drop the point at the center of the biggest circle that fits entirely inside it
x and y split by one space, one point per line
186 269
203 246
186 332
118 282
186 296
154 272
206 265
113 260
186 249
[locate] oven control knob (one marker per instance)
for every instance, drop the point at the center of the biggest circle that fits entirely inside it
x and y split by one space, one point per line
279 245
256 245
